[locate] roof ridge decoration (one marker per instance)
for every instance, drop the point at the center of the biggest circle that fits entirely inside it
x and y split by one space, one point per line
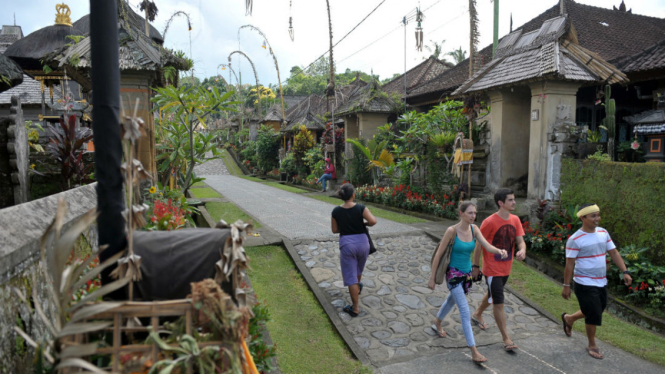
62 13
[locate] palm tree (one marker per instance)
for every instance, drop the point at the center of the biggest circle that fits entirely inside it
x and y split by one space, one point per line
458 55
436 50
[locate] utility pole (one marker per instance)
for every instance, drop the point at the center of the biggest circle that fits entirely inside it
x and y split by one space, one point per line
404 22
496 27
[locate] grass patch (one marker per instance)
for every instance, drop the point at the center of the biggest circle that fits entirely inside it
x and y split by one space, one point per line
619 333
306 340
253 179
229 213
377 212
285 187
199 184
231 165
203 193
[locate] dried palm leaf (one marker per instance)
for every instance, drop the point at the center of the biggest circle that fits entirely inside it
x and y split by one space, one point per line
79 363
128 267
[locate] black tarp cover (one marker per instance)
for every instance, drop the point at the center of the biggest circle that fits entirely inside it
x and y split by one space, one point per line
171 260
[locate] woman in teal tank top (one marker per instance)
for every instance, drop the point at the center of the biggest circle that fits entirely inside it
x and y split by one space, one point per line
458 275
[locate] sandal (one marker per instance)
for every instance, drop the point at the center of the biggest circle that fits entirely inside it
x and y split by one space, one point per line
567 329
597 355
479 361
360 288
349 310
441 333
509 347
481 325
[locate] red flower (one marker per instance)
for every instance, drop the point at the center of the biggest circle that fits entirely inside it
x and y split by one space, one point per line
568 226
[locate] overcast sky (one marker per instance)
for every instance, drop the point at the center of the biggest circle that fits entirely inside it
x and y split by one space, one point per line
216 22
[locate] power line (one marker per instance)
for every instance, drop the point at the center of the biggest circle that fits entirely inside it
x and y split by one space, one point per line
410 16
344 37
397 28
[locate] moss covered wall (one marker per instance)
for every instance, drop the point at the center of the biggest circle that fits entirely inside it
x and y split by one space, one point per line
631 198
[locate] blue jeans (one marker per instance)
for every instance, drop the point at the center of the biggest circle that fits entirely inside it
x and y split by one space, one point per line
323 179
456 296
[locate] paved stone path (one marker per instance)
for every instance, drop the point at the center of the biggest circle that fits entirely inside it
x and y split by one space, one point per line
393 329
289 214
397 307
212 167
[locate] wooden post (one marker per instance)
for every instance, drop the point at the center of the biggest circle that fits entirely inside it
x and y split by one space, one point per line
471 139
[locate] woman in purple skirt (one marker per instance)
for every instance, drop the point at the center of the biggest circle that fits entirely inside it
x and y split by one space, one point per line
349 220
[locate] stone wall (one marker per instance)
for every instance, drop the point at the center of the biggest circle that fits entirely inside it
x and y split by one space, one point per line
21 228
14 157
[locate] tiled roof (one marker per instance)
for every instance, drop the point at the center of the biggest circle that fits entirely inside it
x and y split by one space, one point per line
419 74
538 54
649 59
29 91
624 35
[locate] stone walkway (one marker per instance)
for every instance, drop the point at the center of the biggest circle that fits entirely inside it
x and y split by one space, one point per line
212 167
397 307
289 214
393 331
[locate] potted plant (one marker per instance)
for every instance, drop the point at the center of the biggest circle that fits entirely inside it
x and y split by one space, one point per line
592 144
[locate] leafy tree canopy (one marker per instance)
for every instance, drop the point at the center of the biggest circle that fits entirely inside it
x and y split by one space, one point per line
315 79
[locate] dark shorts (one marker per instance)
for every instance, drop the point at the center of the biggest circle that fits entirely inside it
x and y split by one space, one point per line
593 301
495 288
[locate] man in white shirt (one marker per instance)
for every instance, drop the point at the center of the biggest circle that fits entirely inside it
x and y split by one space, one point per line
586 251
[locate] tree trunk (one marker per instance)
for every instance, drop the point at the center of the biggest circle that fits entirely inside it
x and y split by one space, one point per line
191 156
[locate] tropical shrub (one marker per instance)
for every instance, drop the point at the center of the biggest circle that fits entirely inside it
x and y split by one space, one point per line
648 280
267 149
191 107
631 200
303 141
358 173
65 148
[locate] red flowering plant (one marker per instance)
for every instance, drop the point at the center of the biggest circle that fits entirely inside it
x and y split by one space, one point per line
91 284
401 196
168 212
648 288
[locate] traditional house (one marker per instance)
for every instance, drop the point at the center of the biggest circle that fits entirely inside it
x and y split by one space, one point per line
309 113
549 75
273 117
418 75
142 62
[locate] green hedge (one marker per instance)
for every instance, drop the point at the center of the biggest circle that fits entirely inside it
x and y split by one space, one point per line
631 198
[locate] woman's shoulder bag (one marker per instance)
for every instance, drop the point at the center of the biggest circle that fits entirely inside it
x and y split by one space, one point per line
440 275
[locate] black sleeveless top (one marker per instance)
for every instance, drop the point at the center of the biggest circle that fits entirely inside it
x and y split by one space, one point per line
350 221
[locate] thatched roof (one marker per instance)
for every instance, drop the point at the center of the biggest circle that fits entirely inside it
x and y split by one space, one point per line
10 73
137 51
369 99
138 22
549 52
306 113
29 50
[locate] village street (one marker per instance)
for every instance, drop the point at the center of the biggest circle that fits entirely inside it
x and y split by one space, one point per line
393 330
